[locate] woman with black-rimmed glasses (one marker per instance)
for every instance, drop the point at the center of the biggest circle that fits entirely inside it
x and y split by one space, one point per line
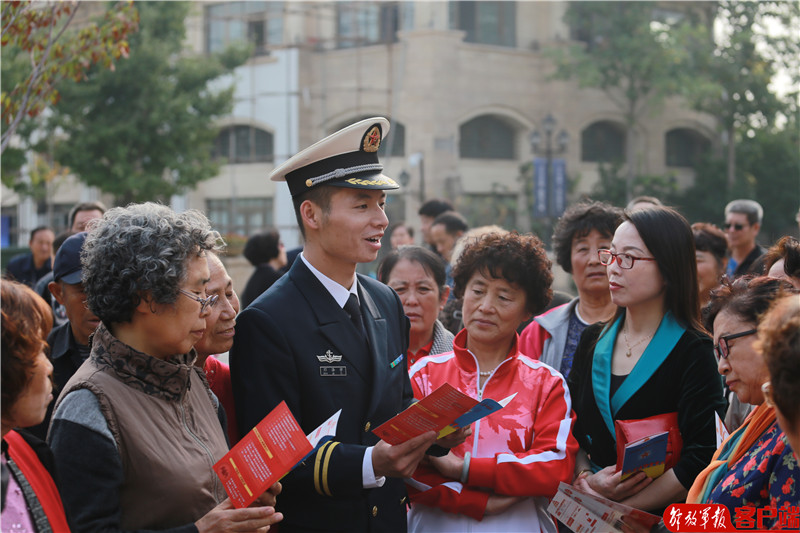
755 465
136 431
652 358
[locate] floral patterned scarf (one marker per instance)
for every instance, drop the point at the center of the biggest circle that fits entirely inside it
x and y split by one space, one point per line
734 447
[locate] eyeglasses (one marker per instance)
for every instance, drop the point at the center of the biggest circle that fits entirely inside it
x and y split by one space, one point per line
736 227
722 349
205 303
766 389
625 261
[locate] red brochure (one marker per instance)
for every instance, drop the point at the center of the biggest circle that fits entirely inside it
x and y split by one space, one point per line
444 410
263 456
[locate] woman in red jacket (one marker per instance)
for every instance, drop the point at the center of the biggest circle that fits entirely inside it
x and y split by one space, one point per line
503 476
30 499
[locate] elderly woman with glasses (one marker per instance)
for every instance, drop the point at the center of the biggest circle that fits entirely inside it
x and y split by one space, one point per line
652 358
136 431
755 465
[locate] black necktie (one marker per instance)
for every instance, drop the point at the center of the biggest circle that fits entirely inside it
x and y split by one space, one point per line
354 310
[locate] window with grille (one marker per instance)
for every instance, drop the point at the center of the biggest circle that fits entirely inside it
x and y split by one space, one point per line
257 23
485 22
244 144
685 147
603 142
487 137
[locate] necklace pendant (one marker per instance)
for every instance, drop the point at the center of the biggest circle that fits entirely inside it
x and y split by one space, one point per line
628 353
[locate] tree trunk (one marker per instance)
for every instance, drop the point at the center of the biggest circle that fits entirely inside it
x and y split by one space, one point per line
731 159
630 158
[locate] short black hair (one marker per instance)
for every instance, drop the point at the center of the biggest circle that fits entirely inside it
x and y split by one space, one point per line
263 247
578 221
37 230
320 195
432 263
85 206
434 207
452 222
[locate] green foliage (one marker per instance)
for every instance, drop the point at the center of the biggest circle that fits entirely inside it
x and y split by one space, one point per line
145 131
769 172
612 188
41 50
630 54
735 72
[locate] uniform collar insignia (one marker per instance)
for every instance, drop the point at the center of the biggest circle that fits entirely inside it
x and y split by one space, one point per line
329 357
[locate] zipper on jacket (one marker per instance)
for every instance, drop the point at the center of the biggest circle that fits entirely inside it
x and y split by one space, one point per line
199 441
480 389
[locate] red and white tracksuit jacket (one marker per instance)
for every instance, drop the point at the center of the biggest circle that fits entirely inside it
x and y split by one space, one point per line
524 449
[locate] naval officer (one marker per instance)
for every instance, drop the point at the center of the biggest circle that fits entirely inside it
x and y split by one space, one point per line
324 338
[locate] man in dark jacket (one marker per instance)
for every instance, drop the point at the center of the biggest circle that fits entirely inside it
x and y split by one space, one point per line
742 224
324 338
69 342
30 267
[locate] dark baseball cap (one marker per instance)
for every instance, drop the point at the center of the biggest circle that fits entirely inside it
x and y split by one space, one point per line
67 264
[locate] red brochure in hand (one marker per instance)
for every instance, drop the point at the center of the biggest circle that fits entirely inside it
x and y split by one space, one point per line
444 410
263 456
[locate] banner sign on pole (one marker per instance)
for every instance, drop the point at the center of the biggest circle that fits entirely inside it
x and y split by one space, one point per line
559 188
540 187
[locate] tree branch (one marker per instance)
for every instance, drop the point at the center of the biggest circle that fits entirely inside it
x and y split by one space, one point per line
38 70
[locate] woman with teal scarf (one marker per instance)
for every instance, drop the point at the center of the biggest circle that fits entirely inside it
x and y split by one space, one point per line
652 358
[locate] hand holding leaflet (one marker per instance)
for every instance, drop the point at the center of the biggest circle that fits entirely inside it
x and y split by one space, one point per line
268 452
586 513
445 410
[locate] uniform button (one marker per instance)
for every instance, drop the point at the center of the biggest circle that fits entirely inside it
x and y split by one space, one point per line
366 427
375 511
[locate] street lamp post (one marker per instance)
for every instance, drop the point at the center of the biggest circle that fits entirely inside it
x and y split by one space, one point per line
562 140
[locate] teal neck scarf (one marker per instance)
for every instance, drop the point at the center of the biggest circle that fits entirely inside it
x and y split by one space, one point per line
662 343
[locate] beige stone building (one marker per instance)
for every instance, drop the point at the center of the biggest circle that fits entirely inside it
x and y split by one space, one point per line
465 85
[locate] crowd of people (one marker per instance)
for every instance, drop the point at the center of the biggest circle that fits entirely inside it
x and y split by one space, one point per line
140 366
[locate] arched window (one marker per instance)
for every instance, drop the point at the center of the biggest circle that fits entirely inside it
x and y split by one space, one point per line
603 142
685 147
244 144
487 137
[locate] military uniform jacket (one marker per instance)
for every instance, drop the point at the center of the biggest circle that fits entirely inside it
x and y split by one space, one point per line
295 344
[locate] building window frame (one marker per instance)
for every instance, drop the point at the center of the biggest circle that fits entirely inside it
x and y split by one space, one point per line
243 143
603 141
365 23
259 23
485 22
243 217
487 137
684 147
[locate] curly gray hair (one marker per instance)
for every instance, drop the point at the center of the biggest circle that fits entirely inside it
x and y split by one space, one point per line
141 248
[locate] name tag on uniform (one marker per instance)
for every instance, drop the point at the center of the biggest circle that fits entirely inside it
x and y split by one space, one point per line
333 371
